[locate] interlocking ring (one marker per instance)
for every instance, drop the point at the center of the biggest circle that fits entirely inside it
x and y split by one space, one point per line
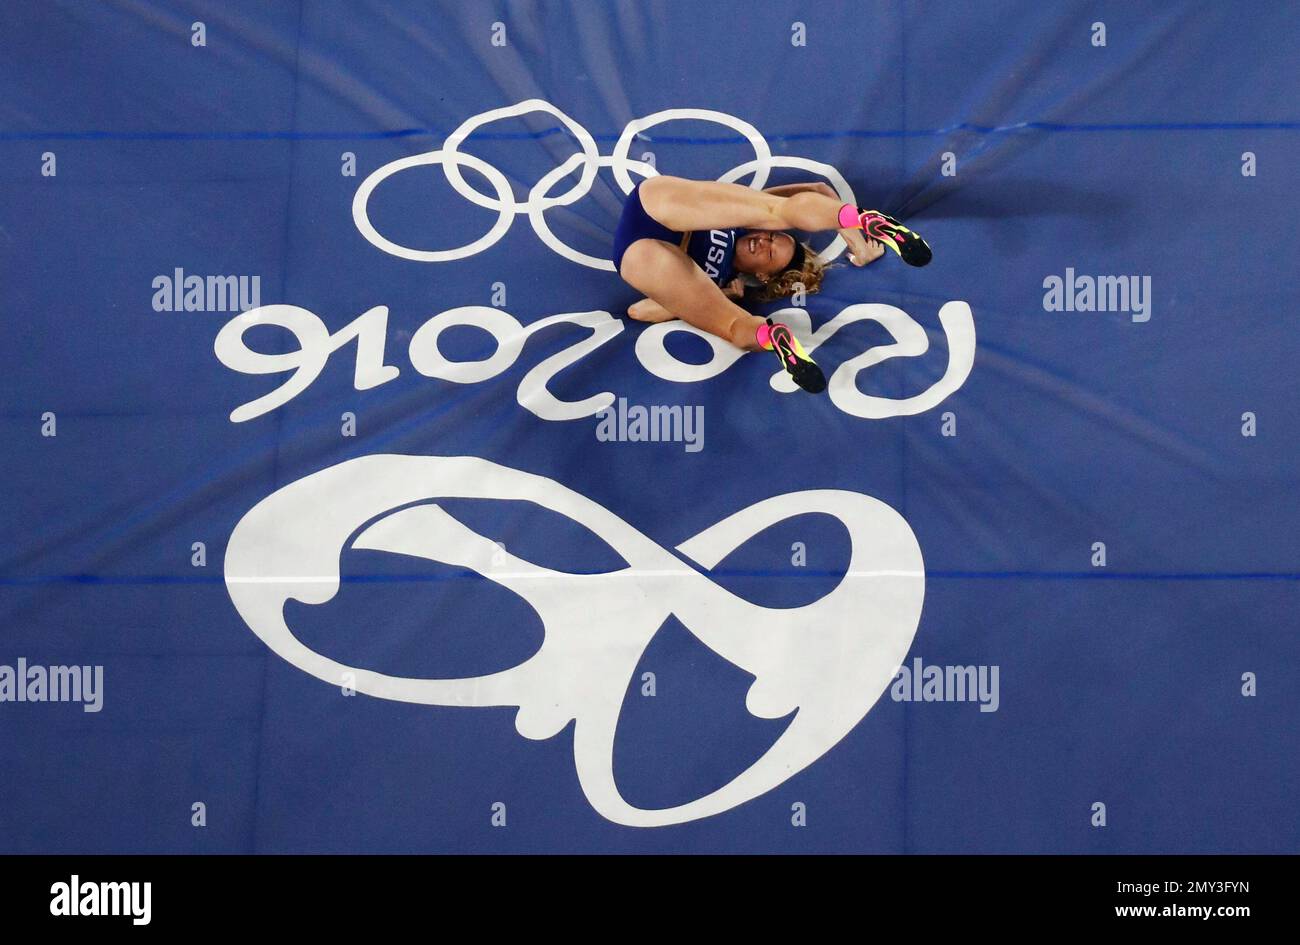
579 190
760 167
361 216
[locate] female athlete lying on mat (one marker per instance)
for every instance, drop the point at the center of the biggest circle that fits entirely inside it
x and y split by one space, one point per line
688 245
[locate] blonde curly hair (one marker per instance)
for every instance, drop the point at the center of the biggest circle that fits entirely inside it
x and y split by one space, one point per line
785 283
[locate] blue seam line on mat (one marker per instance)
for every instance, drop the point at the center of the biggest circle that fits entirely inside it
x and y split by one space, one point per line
666 139
951 575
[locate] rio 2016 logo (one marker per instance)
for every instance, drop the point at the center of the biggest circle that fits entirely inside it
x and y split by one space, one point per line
830 660
826 662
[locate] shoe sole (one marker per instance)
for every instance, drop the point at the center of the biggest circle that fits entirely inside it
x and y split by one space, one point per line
804 372
910 248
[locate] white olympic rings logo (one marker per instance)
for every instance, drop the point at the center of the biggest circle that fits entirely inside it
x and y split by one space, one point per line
539 200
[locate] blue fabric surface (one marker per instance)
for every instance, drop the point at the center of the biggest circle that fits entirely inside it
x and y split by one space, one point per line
1016 145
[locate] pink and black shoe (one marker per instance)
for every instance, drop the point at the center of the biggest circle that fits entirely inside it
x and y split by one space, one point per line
881 226
777 337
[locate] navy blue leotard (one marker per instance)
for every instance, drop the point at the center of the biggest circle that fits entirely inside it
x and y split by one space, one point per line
711 250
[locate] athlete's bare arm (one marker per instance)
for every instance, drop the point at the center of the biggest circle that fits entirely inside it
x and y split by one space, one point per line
861 249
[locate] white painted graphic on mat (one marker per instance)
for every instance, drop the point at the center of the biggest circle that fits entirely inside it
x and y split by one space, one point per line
316 343
827 662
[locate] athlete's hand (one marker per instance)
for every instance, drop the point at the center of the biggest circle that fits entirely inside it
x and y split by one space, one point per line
735 289
861 249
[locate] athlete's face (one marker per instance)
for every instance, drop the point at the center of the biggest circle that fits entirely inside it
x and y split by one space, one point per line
763 252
